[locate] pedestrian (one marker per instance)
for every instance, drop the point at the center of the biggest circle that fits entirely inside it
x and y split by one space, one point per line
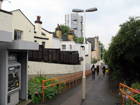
98 70
93 72
104 70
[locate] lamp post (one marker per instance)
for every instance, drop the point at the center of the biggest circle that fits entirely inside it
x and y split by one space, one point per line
84 78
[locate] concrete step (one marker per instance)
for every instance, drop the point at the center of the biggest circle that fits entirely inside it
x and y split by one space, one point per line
24 102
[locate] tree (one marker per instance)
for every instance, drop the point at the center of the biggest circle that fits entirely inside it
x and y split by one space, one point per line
101 49
123 55
78 39
65 30
94 60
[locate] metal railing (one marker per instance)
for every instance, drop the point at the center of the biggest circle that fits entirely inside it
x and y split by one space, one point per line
130 96
67 79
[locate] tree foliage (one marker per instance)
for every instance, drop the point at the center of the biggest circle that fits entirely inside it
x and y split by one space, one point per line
65 31
123 55
94 60
102 50
78 39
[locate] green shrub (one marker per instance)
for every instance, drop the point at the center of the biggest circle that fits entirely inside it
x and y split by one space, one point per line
136 85
94 60
35 91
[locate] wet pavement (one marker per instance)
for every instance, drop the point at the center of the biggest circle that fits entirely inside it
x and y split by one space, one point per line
97 93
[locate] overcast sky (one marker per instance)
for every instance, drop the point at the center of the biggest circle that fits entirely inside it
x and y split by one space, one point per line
103 23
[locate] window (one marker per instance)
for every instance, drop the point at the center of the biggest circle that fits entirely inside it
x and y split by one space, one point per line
17 35
63 47
70 47
43 43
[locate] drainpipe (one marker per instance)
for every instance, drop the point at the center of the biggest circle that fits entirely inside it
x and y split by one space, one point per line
0 3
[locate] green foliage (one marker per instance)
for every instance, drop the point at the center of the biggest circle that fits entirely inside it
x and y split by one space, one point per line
65 30
136 85
106 58
35 89
78 39
94 60
102 50
124 51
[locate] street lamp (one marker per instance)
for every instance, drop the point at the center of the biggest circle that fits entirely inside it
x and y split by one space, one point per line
84 78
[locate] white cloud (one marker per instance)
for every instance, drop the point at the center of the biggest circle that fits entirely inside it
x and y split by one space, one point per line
104 22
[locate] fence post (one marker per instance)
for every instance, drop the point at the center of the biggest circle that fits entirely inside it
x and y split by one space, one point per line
123 94
76 78
69 80
132 96
59 85
43 90
65 83
73 80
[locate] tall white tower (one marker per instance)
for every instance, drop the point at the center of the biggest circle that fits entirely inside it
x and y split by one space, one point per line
75 22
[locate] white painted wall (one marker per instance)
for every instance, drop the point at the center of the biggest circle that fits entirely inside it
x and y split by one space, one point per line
19 22
50 36
79 49
5 22
36 68
56 43
68 43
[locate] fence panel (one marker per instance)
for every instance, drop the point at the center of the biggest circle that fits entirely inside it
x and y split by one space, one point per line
54 56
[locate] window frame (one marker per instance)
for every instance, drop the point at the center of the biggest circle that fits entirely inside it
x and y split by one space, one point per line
63 47
18 34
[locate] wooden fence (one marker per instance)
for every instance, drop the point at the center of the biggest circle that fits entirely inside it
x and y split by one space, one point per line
54 56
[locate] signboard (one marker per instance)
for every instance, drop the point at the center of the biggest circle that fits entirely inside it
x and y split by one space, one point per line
12 57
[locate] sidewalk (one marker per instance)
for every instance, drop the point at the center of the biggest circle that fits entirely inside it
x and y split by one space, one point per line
99 94
96 94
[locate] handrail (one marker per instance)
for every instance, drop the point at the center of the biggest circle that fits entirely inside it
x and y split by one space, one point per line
68 78
130 89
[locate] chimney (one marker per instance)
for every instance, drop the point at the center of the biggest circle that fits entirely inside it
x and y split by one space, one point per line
1 3
70 35
58 31
38 26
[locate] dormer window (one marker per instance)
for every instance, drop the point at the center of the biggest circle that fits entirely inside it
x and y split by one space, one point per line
17 35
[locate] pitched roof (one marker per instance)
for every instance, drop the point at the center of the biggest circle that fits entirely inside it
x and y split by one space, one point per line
5 11
65 38
54 35
23 15
29 20
92 41
47 31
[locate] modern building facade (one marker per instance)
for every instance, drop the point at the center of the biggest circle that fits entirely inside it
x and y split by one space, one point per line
75 22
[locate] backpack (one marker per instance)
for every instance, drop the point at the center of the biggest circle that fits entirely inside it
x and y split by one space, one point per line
93 69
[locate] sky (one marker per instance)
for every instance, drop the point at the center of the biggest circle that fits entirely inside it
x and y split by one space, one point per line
103 23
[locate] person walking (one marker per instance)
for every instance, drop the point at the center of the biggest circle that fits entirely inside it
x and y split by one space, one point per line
93 72
98 70
104 70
